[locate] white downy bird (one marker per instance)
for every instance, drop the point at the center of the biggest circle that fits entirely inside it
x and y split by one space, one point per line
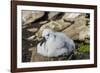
55 44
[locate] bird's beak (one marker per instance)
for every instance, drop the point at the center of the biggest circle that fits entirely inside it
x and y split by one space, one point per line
43 40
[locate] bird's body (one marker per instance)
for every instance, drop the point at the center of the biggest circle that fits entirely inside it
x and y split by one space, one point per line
55 45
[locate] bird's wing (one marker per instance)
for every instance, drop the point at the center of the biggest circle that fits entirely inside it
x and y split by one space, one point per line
68 42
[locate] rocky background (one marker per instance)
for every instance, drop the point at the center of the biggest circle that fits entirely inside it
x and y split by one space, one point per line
74 25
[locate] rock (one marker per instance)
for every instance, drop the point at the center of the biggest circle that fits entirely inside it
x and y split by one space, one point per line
83 34
37 57
31 16
43 22
55 15
52 14
71 16
31 37
32 29
79 30
54 25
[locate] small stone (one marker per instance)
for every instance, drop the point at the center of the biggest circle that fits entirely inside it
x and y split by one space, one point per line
32 30
31 37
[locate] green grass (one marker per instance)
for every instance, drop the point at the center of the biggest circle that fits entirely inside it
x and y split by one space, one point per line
84 48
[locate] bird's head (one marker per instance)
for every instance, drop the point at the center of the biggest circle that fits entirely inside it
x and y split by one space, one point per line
47 33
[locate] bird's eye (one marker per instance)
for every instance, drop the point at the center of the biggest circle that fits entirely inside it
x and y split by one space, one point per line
47 34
